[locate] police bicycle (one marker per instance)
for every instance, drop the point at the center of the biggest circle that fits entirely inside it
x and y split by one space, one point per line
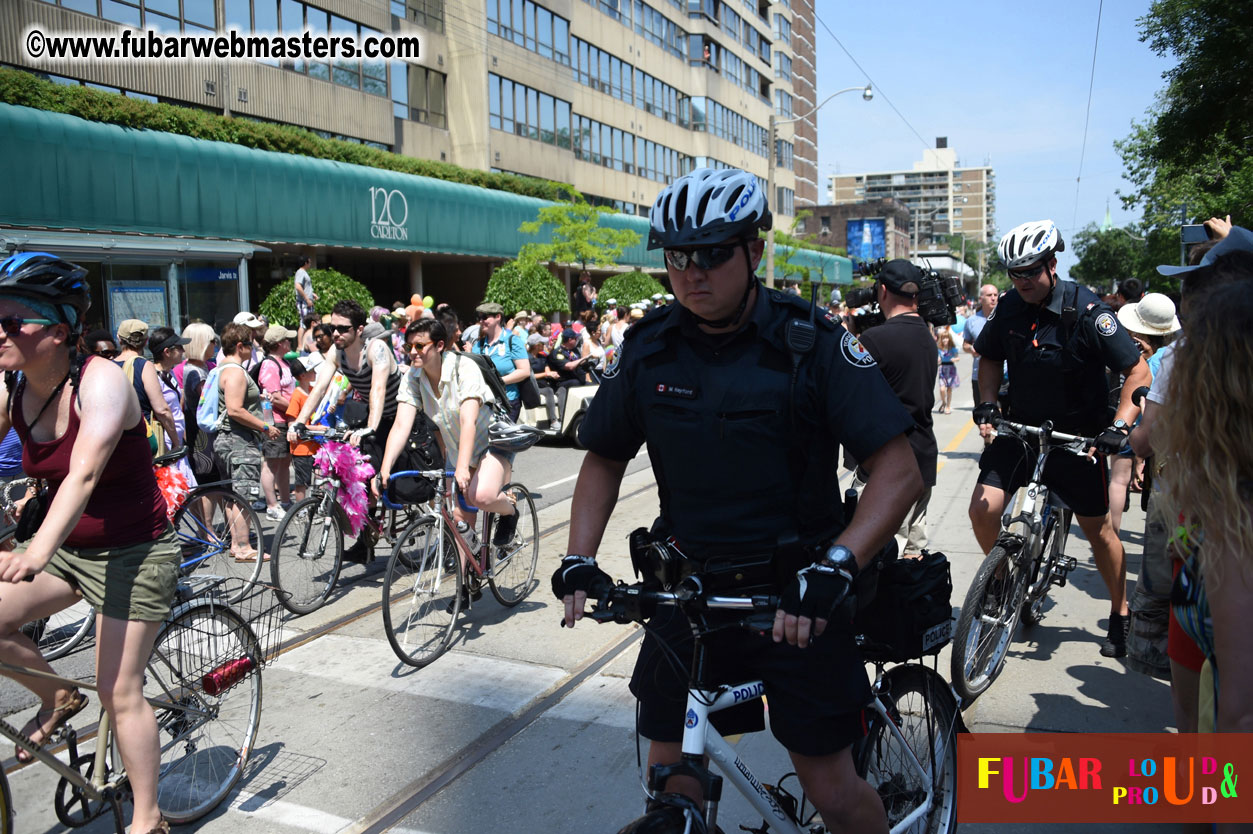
1014 580
908 754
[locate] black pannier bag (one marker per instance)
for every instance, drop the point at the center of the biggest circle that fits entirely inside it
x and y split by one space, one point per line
421 452
911 614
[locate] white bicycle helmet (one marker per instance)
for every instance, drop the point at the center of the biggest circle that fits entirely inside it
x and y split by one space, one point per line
504 436
1030 242
707 206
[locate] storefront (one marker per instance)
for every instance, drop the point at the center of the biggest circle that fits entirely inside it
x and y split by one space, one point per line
169 225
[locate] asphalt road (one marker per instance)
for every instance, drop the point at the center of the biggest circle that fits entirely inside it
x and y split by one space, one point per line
526 727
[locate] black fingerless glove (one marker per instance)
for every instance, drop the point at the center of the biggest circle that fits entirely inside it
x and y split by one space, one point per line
1111 441
816 591
985 413
580 573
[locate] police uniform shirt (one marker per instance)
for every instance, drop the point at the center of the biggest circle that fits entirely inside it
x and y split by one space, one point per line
557 360
734 470
1050 379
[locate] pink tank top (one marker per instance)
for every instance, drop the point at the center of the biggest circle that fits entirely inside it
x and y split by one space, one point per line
126 507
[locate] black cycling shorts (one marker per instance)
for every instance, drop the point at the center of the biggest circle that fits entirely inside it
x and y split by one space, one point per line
815 694
1084 485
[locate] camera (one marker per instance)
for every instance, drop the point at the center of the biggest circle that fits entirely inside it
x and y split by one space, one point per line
1194 233
938 298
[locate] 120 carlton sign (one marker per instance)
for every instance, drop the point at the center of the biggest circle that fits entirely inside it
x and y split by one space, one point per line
389 214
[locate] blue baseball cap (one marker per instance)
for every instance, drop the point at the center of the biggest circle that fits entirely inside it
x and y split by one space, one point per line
1239 239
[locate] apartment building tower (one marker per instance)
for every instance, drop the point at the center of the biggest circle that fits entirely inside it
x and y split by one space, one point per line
942 197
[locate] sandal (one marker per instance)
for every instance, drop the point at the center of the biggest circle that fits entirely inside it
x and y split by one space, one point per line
58 716
163 827
251 556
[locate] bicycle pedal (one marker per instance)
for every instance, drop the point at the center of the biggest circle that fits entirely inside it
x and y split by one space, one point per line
1063 569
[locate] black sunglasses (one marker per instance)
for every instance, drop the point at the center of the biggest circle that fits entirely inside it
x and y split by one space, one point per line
709 257
11 325
107 354
486 316
341 328
1028 273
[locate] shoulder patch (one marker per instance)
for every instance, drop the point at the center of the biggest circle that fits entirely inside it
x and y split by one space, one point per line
1106 324
614 363
855 352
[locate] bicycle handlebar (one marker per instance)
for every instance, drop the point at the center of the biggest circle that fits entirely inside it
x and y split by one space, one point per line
622 603
327 434
1045 431
170 457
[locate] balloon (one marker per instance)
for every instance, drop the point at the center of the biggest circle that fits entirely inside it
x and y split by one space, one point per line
428 302
413 311
415 299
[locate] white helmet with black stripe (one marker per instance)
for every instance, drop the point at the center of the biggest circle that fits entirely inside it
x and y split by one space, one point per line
1029 243
706 207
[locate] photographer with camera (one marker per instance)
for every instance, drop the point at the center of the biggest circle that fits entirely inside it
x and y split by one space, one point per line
905 351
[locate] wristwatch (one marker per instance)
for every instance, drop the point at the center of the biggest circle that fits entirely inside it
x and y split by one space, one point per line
1122 426
842 558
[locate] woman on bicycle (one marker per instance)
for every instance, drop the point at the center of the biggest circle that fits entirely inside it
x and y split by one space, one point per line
277 382
105 536
451 390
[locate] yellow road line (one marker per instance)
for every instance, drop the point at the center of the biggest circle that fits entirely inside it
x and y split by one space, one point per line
954 443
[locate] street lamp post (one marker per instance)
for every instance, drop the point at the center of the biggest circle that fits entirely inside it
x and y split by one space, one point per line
772 154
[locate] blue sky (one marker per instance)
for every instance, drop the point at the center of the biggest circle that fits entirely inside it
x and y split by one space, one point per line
1006 82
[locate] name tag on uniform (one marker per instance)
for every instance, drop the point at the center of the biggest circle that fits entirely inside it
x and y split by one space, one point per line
683 392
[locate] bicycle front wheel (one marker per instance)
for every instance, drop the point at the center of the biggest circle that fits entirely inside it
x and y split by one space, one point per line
205 686
922 709
421 593
1052 549
220 535
59 634
511 567
308 552
986 624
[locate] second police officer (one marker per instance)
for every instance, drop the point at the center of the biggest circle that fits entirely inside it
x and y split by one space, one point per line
1056 339
744 452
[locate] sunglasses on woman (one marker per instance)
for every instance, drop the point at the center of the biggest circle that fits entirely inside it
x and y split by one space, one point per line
12 325
710 257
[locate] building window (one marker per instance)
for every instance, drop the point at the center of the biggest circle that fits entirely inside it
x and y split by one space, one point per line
782 66
530 26
783 154
427 96
782 30
521 110
784 200
826 225
783 104
429 14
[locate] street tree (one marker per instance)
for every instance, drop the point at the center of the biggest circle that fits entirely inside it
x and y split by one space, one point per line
575 235
1191 157
1109 256
519 285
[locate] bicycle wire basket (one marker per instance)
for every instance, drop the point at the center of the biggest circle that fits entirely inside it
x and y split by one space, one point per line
212 649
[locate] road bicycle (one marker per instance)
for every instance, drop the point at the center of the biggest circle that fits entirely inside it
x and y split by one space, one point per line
308 549
203 681
1015 577
212 525
434 570
908 755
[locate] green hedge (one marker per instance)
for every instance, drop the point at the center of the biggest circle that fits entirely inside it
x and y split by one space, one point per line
627 288
28 90
330 286
532 287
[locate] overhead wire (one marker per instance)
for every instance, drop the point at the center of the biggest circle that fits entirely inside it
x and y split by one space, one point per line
878 91
1074 222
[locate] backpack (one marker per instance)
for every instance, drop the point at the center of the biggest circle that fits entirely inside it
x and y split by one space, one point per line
156 434
255 370
207 417
528 389
421 451
495 382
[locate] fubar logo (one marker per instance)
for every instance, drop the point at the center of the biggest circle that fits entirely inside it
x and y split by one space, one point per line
389 214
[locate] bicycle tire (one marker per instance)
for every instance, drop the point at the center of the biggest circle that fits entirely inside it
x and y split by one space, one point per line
421 593
61 633
307 555
203 753
1052 549
979 645
206 533
665 820
511 568
920 703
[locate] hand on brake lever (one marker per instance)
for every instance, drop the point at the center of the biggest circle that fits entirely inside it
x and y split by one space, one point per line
574 578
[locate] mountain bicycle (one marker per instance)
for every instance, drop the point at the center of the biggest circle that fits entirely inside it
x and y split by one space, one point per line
434 570
908 754
308 550
1014 580
203 681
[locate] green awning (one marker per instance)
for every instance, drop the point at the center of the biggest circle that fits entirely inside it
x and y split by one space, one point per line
63 172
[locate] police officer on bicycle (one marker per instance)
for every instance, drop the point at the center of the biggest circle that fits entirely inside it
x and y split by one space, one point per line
743 427
1057 339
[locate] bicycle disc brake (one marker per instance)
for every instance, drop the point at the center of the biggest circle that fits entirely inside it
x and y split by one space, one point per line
74 808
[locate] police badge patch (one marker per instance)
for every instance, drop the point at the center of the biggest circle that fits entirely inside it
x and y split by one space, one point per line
855 352
611 367
1106 325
